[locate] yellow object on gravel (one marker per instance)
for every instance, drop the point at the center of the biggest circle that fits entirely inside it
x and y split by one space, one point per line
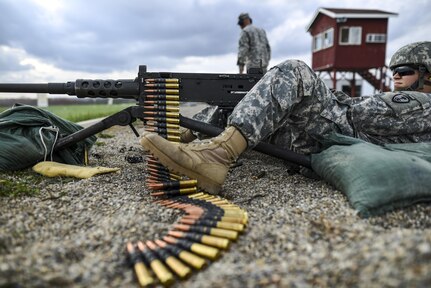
53 169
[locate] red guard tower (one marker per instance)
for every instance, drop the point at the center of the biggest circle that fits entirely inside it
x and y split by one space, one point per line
347 42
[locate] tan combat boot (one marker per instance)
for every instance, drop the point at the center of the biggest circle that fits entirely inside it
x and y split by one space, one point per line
186 135
207 161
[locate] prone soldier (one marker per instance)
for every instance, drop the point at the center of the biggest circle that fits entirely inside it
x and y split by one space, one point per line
292 108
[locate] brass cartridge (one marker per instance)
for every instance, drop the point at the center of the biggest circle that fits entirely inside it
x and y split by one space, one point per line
193 260
163 85
142 273
174 184
171 261
162 91
213 223
163 97
162 80
213 241
198 248
224 233
163 274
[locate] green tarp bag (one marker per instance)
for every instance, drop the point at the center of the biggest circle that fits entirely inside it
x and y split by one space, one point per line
376 179
28 135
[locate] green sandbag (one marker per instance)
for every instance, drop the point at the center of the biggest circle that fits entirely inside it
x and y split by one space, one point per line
376 179
22 129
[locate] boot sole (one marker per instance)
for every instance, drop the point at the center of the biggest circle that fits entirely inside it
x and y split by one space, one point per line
203 182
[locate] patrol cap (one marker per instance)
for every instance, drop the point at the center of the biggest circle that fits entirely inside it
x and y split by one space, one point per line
242 17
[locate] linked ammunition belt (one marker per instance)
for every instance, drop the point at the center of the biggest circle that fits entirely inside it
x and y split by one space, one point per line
210 223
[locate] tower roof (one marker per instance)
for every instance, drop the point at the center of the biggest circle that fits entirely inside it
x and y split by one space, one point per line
350 13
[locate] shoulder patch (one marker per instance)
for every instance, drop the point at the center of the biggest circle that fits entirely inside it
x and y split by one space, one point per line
400 98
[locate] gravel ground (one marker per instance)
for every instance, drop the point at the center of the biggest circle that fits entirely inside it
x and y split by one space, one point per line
301 232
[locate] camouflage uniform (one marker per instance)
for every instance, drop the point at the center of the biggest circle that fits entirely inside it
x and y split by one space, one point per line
254 50
291 107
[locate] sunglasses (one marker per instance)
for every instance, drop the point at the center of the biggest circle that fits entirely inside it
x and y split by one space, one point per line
403 71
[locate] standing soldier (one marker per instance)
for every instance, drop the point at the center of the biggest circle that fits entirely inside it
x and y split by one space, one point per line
253 50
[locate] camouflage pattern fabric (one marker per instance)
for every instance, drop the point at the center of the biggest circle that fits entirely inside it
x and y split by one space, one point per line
292 107
418 53
253 50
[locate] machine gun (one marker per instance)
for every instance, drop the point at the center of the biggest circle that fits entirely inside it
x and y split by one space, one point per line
223 90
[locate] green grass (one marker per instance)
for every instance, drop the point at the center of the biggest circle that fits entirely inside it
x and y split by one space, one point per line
77 113
19 183
27 183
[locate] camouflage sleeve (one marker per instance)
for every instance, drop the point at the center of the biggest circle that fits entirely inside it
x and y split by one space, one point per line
243 48
393 117
268 47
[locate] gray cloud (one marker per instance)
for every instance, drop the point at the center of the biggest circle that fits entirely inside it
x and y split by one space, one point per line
10 63
103 36
97 35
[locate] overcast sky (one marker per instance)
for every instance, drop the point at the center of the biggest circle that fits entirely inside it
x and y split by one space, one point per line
61 40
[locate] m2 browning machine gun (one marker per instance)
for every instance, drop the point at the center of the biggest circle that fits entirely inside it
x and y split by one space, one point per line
223 90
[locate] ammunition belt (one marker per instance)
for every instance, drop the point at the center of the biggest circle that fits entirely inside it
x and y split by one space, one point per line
209 223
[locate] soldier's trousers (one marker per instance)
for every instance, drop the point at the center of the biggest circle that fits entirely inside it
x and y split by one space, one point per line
292 107
285 108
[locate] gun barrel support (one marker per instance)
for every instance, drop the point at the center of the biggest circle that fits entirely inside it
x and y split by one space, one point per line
122 118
